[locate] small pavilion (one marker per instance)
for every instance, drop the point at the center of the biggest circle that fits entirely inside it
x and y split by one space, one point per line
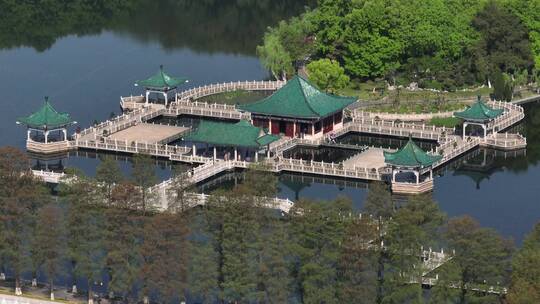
299 109
478 114
45 122
243 139
161 84
411 158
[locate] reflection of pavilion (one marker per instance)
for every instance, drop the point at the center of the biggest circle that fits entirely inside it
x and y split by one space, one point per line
47 129
484 165
295 186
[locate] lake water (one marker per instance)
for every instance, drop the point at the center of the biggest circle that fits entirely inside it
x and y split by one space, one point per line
85 67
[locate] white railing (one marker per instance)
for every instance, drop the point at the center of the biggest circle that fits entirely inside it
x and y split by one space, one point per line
49 176
206 109
211 89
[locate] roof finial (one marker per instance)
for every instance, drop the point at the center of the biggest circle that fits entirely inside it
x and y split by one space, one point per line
161 67
479 97
46 99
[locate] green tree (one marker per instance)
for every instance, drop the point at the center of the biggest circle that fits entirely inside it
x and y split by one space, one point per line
481 256
413 226
317 230
274 279
144 176
504 41
274 56
203 274
86 235
328 75
21 195
370 50
357 266
49 241
108 174
525 287
122 243
164 254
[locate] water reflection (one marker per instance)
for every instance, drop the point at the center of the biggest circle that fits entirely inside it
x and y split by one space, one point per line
232 26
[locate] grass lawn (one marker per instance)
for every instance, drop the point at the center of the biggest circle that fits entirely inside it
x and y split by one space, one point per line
235 97
417 107
364 91
448 122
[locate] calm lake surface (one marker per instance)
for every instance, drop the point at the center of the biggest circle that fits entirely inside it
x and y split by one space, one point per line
85 68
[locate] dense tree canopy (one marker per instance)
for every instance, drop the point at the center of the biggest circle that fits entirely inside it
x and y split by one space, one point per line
439 44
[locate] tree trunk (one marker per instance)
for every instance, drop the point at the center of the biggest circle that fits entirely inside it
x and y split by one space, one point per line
18 289
51 285
90 293
34 280
146 300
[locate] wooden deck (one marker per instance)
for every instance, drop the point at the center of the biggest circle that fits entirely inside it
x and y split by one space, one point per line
150 133
371 158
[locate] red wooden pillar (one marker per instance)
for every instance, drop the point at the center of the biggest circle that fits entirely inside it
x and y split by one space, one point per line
289 130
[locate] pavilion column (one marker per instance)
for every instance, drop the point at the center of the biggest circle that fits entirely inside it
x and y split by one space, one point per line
268 149
431 173
235 154
464 128
215 153
146 100
166 98
256 156
417 174
28 133
270 125
46 136
194 150
175 95
294 129
65 133
312 129
485 130
394 175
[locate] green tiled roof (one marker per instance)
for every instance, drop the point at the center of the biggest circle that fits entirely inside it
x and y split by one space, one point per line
161 80
299 98
479 111
46 118
240 134
410 155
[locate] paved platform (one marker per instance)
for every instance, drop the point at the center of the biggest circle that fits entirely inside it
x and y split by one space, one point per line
371 158
149 133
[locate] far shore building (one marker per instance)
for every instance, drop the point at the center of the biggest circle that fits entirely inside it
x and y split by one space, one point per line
162 84
46 129
299 109
411 159
230 141
479 114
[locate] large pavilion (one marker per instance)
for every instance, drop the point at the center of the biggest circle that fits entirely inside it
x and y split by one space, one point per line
242 139
478 114
45 122
299 109
411 159
161 83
